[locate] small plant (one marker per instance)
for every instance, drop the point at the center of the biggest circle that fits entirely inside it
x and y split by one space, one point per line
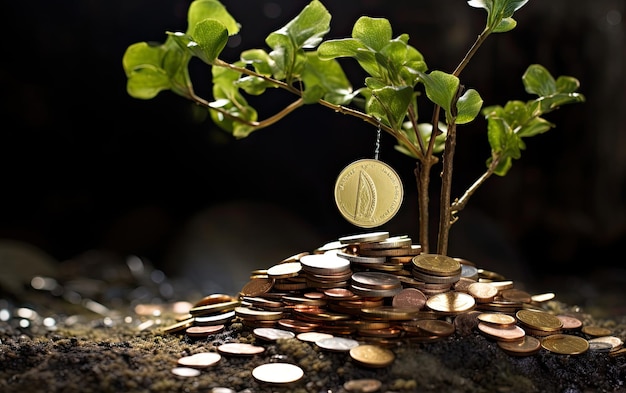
303 64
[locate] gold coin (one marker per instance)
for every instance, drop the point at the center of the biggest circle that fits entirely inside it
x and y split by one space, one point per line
368 193
365 385
451 302
499 319
565 344
372 355
436 265
539 320
596 331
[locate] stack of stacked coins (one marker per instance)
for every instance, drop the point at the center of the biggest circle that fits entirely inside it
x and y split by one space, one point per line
380 289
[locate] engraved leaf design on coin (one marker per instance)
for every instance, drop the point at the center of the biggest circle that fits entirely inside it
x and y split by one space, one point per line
368 193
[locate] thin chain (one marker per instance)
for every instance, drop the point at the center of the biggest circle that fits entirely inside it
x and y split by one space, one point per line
377 148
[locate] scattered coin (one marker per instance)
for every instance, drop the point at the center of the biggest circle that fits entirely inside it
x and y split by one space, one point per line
502 333
451 302
372 355
337 344
277 373
242 349
596 331
613 341
203 331
483 292
313 336
272 334
364 237
565 344
185 371
200 360
497 319
539 320
569 322
529 345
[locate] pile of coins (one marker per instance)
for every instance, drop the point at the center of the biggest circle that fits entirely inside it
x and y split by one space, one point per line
364 293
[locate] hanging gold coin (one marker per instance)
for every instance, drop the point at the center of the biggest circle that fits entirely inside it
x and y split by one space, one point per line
368 193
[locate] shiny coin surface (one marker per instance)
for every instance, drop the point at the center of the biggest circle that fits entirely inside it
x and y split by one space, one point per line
529 345
483 292
337 344
569 322
284 270
257 286
364 237
272 334
497 319
565 344
203 331
242 349
376 280
200 360
372 355
185 371
615 342
368 193
451 302
596 331
539 320
502 333
312 336
277 373
436 265
409 297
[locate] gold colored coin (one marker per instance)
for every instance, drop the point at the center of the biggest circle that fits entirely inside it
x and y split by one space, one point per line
372 355
499 319
368 193
451 302
539 320
436 265
565 344
596 331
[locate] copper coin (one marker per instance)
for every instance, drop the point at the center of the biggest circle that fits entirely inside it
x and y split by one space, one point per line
569 322
213 299
257 286
529 345
483 292
502 333
203 331
409 297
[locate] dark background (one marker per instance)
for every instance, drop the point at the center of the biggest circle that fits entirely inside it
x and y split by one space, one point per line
85 167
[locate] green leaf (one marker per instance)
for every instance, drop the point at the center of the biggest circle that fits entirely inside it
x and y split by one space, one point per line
328 79
468 106
390 104
538 80
534 127
228 98
210 38
441 88
499 13
200 10
306 30
374 33
259 59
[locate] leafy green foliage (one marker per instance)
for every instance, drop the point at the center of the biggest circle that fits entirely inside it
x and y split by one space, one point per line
301 62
